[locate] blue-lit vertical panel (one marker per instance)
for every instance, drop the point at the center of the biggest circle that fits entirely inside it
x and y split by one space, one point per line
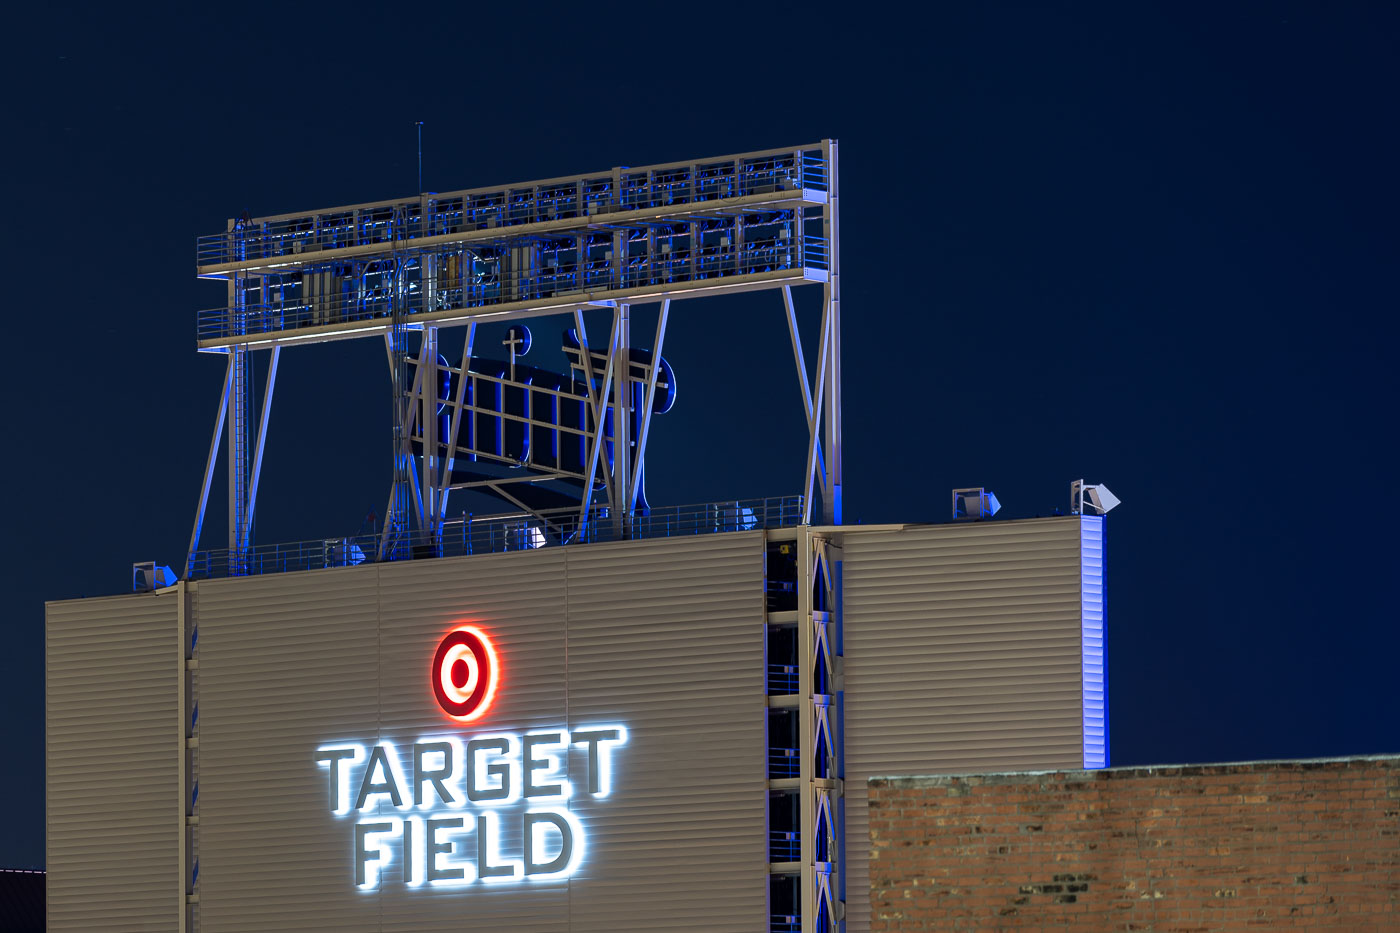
1091 602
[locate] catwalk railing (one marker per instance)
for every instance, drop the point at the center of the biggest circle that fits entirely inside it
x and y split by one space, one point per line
580 281
783 762
782 679
497 534
677 186
783 846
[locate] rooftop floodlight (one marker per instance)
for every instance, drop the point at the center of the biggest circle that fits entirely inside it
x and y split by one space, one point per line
148 576
974 504
1085 499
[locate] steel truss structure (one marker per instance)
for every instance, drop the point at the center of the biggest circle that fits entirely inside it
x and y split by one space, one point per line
806 777
557 248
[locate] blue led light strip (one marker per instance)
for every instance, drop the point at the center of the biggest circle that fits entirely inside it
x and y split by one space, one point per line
1092 636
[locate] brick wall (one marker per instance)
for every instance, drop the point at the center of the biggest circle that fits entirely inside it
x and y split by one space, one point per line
1294 845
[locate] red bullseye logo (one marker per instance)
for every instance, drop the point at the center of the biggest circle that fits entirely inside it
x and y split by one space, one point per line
465 673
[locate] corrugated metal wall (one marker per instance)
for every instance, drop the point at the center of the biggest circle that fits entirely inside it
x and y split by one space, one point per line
963 653
112 751
286 662
681 843
665 637
520 599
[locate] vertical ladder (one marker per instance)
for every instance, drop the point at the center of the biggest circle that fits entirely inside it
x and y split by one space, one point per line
397 520
240 404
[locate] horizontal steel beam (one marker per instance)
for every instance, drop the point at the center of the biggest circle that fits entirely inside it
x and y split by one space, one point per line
522 481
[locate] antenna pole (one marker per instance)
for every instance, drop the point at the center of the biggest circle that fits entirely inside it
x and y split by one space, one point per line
420 156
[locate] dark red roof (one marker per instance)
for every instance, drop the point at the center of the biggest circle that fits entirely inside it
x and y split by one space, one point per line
21 901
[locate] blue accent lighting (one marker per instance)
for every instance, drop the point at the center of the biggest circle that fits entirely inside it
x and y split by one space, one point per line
1091 613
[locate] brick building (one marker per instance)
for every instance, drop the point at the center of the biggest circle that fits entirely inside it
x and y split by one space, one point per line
1259 845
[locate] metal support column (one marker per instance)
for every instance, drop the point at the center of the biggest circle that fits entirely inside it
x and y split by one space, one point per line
209 470
832 296
826 741
820 414
820 768
258 445
454 428
648 403
237 405
238 459
816 461
622 421
806 768
428 420
394 544
598 403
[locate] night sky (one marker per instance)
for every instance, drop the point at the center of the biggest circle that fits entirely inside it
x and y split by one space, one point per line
1153 247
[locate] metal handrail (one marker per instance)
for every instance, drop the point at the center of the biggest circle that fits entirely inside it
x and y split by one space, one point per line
784 845
783 762
782 679
367 303
427 215
497 534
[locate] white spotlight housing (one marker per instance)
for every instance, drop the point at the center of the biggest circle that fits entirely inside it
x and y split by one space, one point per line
1086 499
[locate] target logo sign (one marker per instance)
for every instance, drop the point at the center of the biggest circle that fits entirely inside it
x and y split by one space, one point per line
465 673
480 807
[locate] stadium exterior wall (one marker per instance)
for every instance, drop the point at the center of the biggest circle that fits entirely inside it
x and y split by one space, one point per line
966 647
965 651
113 740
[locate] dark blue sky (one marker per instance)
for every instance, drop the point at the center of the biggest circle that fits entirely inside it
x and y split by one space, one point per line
1154 246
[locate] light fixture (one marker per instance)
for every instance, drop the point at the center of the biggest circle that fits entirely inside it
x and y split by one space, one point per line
1085 499
147 577
974 504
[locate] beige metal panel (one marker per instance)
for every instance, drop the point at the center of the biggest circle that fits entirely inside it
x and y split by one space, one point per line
286 662
664 637
518 599
112 746
963 653
668 637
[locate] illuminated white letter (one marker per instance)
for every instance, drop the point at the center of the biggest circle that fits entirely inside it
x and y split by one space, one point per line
488 839
383 759
505 771
547 762
426 772
412 850
371 861
330 758
458 874
601 743
538 826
